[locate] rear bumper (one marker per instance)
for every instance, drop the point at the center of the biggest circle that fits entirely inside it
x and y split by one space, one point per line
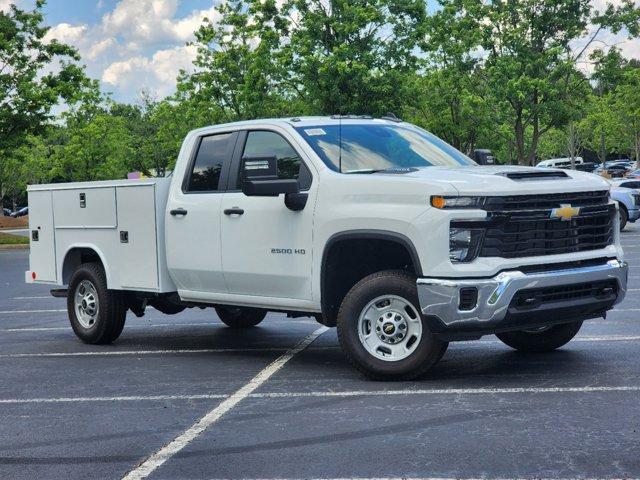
496 310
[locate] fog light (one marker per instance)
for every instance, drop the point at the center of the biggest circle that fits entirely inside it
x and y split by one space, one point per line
463 244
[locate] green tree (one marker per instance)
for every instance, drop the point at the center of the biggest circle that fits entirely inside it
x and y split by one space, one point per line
530 66
101 149
627 103
35 75
352 56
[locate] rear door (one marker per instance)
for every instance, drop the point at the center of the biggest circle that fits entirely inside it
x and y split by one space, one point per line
267 248
193 217
42 255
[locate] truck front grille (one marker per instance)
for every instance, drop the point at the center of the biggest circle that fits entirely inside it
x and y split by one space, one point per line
527 229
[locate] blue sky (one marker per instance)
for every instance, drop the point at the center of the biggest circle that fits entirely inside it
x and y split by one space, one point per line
130 45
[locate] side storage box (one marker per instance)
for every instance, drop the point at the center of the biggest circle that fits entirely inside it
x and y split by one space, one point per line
42 255
137 252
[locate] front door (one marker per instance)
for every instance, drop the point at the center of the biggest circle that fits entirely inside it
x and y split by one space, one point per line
193 218
266 247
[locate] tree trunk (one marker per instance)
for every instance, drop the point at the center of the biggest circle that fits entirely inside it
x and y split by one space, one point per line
519 134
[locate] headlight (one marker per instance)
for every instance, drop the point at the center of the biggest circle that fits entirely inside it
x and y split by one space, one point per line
463 244
457 202
636 199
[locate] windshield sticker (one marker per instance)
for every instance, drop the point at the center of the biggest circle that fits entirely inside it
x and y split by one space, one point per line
314 132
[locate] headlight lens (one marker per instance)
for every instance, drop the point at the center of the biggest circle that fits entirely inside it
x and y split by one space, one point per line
456 202
463 244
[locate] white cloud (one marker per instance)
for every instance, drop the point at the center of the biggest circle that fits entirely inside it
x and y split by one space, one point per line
152 22
100 47
157 73
66 33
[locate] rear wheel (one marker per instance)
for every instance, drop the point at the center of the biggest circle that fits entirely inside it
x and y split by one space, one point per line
624 217
543 339
381 330
240 317
97 314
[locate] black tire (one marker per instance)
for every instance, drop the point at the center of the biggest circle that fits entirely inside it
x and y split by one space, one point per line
541 341
111 312
624 217
165 306
240 317
396 283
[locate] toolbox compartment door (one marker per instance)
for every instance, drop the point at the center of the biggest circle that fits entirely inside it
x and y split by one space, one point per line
136 251
93 207
42 254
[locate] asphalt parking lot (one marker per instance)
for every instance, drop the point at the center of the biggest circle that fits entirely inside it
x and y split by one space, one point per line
69 410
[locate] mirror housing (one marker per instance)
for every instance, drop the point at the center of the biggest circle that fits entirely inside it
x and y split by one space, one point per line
269 188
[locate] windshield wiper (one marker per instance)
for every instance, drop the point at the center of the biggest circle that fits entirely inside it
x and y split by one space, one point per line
385 170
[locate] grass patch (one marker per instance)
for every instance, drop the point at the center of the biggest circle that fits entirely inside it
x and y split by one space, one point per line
6 239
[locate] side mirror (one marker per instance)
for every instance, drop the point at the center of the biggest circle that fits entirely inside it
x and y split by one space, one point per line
260 178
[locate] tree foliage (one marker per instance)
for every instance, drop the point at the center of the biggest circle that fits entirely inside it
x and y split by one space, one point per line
509 75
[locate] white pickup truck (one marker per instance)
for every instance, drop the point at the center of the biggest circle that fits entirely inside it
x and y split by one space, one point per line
371 225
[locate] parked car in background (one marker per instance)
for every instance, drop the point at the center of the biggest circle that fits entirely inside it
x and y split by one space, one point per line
628 203
6 212
632 183
634 174
559 162
21 212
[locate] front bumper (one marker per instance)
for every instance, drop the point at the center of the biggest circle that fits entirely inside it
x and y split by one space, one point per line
495 312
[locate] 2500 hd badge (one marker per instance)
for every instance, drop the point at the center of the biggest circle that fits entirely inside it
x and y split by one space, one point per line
289 251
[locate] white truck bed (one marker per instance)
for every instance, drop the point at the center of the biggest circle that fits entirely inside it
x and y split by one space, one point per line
122 220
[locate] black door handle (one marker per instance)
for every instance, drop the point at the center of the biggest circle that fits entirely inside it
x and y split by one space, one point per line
178 211
233 211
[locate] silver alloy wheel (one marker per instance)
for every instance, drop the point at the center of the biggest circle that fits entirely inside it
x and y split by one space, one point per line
86 303
390 328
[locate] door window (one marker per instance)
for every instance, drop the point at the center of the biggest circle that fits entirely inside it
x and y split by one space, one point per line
213 150
262 143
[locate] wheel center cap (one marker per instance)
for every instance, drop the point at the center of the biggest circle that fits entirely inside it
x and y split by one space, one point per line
388 328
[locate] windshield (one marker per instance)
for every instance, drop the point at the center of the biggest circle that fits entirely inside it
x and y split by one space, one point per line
374 147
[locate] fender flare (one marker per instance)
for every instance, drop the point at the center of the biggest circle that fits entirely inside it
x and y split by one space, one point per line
364 234
86 246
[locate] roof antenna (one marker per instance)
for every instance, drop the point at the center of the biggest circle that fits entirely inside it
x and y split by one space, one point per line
340 142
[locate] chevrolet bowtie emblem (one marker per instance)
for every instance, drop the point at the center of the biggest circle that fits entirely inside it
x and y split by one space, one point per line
565 212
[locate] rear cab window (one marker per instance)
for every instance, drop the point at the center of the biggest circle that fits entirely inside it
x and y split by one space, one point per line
211 153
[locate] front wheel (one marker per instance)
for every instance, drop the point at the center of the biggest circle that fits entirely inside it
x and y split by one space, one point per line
240 317
545 339
97 315
381 330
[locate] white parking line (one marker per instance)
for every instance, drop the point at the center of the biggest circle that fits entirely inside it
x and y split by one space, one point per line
149 465
149 398
187 351
128 326
178 351
348 393
9 312
34 298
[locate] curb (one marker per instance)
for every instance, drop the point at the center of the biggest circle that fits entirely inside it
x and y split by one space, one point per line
19 246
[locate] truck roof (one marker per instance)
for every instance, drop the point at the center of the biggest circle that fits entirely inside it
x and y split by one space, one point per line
308 121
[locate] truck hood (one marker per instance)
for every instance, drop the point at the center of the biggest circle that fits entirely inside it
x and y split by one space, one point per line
507 180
